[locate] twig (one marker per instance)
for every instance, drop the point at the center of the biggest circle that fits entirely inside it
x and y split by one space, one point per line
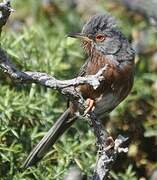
45 79
5 10
107 150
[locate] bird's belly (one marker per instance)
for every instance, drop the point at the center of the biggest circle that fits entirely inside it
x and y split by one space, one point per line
106 104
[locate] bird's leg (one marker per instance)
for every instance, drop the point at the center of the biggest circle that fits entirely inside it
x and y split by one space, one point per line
109 141
89 103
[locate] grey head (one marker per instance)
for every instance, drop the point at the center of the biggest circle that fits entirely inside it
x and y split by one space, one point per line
101 32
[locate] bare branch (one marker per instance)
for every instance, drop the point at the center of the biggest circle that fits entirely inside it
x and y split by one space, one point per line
5 10
45 79
108 149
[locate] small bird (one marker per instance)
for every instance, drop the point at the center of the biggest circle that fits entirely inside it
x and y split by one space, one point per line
104 44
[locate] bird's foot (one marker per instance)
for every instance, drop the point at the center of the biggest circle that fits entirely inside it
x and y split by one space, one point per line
90 106
110 143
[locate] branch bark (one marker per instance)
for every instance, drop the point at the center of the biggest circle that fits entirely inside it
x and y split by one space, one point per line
5 9
107 150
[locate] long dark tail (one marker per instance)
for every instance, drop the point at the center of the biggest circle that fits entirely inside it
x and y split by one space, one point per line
61 125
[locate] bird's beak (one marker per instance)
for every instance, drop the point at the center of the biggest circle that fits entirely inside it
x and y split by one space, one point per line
79 36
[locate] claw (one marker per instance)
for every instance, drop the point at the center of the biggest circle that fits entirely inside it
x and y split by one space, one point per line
110 143
89 105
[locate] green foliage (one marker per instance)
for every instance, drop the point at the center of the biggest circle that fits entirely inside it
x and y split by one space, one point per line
129 174
37 41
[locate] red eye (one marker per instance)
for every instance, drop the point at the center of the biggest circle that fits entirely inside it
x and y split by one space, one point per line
100 37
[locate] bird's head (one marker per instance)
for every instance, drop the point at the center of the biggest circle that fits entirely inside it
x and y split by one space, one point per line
100 33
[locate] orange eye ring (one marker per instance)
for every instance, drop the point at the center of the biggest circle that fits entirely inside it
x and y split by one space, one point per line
100 37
